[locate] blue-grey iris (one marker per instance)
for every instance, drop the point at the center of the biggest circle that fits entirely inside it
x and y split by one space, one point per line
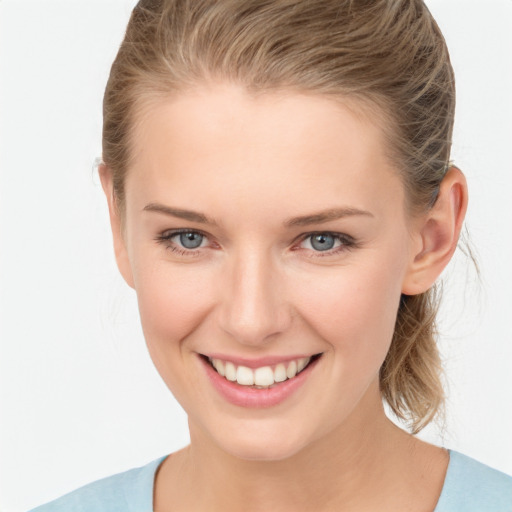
191 240
322 242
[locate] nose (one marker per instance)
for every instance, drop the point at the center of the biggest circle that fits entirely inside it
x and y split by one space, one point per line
253 309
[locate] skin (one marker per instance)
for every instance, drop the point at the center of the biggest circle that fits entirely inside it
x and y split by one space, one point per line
257 287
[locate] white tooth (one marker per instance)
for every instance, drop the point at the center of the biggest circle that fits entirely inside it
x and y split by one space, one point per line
245 376
219 366
264 376
291 371
280 373
303 361
230 371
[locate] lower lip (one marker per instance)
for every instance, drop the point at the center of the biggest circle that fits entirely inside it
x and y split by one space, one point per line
245 396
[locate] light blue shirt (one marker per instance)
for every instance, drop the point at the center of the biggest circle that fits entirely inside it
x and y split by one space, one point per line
469 486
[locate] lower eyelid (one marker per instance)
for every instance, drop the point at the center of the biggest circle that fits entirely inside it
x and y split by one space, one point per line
183 252
325 254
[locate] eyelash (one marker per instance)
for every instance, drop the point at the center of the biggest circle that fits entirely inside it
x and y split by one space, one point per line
347 243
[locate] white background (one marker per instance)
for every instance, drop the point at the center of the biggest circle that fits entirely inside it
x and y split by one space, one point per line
78 394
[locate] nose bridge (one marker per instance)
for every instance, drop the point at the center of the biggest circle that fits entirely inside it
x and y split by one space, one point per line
253 307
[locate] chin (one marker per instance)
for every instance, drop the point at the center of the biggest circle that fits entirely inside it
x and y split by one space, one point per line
263 452
260 444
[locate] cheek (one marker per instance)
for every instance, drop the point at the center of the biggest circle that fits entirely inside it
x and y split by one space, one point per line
171 301
353 309
340 304
172 304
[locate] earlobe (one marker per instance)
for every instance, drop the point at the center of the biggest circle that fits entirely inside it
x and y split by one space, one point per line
120 250
438 234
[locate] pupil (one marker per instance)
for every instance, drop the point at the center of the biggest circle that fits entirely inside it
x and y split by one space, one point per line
322 242
191 240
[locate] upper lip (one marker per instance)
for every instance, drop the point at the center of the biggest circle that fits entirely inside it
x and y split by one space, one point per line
259 361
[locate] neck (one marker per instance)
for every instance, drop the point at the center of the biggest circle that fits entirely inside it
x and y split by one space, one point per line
343 470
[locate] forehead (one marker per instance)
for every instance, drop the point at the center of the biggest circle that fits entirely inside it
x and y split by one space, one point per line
221 141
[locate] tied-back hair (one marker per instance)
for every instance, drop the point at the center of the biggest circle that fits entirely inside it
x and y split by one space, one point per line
387 56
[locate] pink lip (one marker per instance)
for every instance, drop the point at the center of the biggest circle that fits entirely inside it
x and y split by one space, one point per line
258 362
245 396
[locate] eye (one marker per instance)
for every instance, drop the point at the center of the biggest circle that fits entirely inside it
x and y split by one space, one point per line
190 240
322 241
183 241
326 243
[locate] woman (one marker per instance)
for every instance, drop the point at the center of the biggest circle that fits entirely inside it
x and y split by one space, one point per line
282 202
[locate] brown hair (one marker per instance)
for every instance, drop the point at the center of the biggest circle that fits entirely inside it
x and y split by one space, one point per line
385 53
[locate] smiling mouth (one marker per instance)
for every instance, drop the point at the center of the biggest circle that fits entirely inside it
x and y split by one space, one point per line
264 377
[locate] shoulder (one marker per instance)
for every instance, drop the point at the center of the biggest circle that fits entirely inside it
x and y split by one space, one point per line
474 487
123 492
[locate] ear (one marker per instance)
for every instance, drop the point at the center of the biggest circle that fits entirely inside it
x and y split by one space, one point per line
120 250
437 234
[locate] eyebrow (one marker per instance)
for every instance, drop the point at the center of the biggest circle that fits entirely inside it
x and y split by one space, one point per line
326 216
305 220
180 213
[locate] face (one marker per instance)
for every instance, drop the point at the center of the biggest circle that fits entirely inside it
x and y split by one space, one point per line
263 232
